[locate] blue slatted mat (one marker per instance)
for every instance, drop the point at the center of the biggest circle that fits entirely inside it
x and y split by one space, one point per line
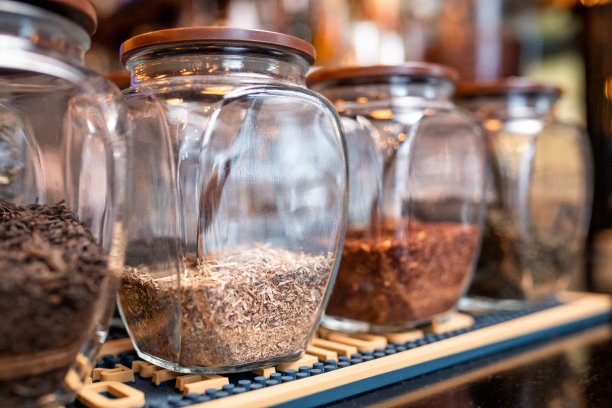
382 366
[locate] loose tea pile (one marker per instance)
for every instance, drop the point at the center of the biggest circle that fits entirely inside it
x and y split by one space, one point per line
249 305
51 272
395 280
518 263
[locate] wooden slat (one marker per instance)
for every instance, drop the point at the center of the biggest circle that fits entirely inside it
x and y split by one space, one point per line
124 395
114 347
306 360
404 337
364 342
148 370
138 365
266 371
186 379
120 373
208 381
340 348
160 376
321 353
456 322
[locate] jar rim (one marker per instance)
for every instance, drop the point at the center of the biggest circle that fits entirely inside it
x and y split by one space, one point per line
376 73
82 12
215 34
506 86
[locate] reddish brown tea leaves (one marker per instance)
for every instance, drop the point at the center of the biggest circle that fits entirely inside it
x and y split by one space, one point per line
404 276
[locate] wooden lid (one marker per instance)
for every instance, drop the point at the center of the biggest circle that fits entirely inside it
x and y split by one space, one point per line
382 72
504 86
217 35
81 12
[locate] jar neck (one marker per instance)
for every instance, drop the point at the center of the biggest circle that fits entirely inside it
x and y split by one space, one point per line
29 28
350 95
246 64
511 105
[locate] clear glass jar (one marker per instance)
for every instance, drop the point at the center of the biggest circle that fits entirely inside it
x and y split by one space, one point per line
234 244
417 171
539 195
61 188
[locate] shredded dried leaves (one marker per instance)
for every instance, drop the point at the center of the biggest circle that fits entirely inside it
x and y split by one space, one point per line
244 306
404 276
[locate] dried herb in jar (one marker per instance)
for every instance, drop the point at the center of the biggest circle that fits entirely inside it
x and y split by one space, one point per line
518 262
404 276
51 274
243 306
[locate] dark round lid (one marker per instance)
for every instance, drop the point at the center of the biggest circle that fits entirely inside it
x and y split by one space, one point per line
81 12
504 86
377 73
217 35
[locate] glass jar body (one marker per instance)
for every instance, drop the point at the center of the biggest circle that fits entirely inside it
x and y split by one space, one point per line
416 166
256 187
60 181
539 199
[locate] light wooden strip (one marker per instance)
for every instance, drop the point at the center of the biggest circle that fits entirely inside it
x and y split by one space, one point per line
160 376
209 381
120 373
404 337
306 360
148 370
583 307
266 371
186 379
361 341
114 347
340 348
321 353
138 365
456 322
126 396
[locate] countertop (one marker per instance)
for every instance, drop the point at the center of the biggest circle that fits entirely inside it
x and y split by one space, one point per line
571 371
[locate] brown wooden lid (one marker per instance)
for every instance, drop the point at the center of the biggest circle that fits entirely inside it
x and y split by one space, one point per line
504 86
120 78
217 35
380 72
81 12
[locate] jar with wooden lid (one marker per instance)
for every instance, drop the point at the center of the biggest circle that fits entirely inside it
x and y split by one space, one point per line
62 180
417 167
234 250
539 195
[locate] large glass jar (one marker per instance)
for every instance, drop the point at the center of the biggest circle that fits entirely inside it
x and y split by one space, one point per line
61 186
233 247
417 166
539 195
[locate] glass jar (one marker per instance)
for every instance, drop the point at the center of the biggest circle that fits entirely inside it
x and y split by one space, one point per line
539 195
61 190
417 166
234 244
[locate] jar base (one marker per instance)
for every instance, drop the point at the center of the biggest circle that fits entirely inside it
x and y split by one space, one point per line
476 304
358 326
218 370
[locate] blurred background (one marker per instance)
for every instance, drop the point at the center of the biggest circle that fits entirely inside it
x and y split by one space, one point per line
566 42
